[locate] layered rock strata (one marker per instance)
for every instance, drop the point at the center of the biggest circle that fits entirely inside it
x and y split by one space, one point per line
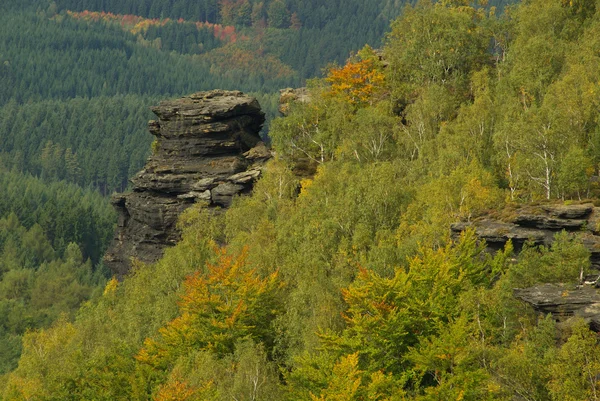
564 301
539 224
207 149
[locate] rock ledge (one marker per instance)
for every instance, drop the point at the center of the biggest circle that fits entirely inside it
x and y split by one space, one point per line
539 224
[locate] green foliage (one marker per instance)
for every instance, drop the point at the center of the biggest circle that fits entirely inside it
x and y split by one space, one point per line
574 370
96 142
80 115
523 369
93 59
448 359
313 130
380 303
112 329
435 44
278 15
544 96
567 260
60 212
573 176
40 283
246 374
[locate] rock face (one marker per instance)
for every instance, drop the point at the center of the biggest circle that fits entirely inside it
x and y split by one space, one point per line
564 301
207 149
539 224
289 95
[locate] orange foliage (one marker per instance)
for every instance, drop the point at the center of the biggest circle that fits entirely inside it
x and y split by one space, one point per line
224 33
175 391
227 303
295 22
356 82
136 24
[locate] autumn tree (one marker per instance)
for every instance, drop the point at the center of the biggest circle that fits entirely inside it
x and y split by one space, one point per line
388 316
229 303
295 22
357 82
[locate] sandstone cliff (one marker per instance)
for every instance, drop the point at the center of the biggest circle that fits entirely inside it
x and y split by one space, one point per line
538 224
564 301
207 149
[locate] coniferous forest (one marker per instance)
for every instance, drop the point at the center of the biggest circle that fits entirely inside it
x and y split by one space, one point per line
337 281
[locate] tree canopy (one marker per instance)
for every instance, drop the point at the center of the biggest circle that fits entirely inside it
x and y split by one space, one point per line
337 278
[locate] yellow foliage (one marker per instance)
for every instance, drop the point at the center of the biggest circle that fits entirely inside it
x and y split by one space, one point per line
175 390
216 309
305 184
345 382
111 287
356 82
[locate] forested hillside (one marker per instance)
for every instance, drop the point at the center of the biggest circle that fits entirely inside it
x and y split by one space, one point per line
77 80
52 237
303 34
122 56
344 283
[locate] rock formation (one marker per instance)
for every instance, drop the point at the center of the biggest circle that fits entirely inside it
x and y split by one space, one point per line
539 224
564 301
289 95
207 149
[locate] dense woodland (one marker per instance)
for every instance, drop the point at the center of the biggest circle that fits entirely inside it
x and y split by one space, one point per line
341 285
304 34
77 81
82 76
52 237
345 284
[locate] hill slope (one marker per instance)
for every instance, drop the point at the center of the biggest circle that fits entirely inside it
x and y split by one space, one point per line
345 283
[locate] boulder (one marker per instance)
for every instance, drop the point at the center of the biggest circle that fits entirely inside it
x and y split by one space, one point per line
288 96
569 211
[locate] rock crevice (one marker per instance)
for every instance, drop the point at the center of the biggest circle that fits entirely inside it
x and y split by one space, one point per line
207 149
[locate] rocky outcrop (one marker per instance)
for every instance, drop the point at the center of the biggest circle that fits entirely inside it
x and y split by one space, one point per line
539 224
564 301
207 149
288 96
